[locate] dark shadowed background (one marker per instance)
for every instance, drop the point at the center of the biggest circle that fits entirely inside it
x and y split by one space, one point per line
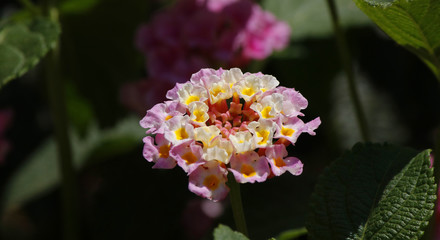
121 197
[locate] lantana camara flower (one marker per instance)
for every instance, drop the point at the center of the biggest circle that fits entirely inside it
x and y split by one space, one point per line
226 121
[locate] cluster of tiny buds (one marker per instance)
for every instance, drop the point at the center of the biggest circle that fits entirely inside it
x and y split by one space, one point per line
225 121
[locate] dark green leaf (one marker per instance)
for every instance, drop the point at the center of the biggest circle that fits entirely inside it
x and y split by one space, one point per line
40 174
25 45
373 192
77 6
11 61
48 29
412 24
79 110
311 18
31 44
292 234
223 232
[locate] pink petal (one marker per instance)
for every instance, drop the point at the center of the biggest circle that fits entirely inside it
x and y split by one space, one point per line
188 155
172 93
209 181
249 167
311 126
156 117
159 154
164 163
150 151
275 155
298 125
198 77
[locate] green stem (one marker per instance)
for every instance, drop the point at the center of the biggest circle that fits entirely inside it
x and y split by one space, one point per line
69 194
237 206
55 85
346 63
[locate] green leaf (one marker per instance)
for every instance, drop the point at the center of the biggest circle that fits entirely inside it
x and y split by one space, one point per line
31 44
40 174
373 192
79 110
413 24
11 61
77 6
292 234
23 45
223 232
311 18
48 29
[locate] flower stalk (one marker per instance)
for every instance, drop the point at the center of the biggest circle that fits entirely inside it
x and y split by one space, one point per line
237 206
348 68
55 88
64 152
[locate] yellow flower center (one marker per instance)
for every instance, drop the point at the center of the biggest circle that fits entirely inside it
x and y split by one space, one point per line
287 131
199 116
181 133
216 91
263 134
211 182
164 151
247 170
248 91
279 162
189 158
191 99
265 112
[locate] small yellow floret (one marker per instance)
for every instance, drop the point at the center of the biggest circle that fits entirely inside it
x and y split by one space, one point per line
168 117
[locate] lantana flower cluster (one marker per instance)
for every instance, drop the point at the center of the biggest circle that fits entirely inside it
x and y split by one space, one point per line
194 34
225 121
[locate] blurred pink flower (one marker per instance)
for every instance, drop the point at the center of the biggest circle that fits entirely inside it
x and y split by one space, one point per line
146 92
5 119
199 217
195 34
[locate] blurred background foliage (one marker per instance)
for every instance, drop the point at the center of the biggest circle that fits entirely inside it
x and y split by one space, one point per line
121 197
